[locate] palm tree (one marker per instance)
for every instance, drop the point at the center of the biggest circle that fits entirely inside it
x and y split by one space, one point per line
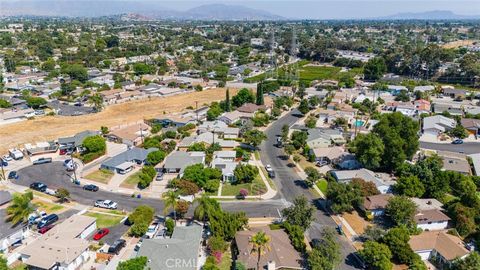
97 101
261 243
204 208
20 207
171 201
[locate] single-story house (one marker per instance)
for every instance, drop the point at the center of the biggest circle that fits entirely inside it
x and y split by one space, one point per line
374 206
131 135
125 161
422 106
406 108
431 220
225 161
476 163
75 142
235 116
328 154
181 251
381 181
206 138
63 248
220 128
453 109
177 161
437 124
10 235
173 120
471 125
423 88
456 162
324 137
41 148
455 93
427 204
281 254
252 108
440 246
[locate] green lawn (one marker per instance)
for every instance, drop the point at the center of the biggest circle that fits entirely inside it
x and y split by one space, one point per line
101 176
257 187
105 221
322 184
132 180
47 206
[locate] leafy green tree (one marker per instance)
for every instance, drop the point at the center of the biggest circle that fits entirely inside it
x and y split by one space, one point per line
214 111
376 255
3 263
313 175
366 188
63 194
243 96
300 213
20 207
458 132
343 197
227 101
36 102
311 121
409 186
463 218
254 137
296 236
401 211
142 213
199 175
170 226
137 263
171 200
96 101
226 224
205 207
304 106
138 229
142 69
471 262
299 139
397 241
259 99
325 254
4 103
155 157
76 72
95 144
245 173
374 68
369 150
260 245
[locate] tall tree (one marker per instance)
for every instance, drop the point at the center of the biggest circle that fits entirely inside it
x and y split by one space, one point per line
300 213
369 150
20 207
171 201
260 100
325 255
260 244
401 210
376 255
227 101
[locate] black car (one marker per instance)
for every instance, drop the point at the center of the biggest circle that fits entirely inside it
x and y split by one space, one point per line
42 161
13 175
117 246
38 186
48 220
90 188
271 174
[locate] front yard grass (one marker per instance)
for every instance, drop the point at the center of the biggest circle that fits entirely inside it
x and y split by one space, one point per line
101 176
47 206
322 184
131 181
105 221
226 263
257 187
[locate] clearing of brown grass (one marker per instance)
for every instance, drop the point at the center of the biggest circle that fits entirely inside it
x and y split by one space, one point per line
458 43
355 221
53 127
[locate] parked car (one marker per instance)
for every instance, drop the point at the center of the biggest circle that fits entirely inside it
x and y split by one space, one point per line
138 245
101 233
48 220
50 191
457 141
7 158
38 186
271 174
321 163
151 231
90 188
46 229
117 246
13 175
3 163
108 204
35 217
42 161
268 168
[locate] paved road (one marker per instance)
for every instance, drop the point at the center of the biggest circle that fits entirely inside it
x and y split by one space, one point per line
290 185
55 176
466 147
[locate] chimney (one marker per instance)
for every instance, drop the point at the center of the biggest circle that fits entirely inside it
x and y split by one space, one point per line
271 265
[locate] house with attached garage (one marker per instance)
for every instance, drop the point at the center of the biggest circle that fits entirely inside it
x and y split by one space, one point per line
374 206
125 161
177 161
235 116
382 181
207 138
220 128
437 124
472 125
324 137
75 142
431 220
439 247
131 135
451 108
65 247
455 162
225 161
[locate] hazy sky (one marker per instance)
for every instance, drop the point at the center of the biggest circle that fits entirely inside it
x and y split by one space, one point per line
328 9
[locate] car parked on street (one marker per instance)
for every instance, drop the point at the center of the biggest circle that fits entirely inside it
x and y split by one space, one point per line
117 246
46 229
7 158
151 231
46 221
13 175
101 233
107 204
457 141
38 186
42 161
90 187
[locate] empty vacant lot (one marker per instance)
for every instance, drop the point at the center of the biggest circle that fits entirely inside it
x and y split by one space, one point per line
52 127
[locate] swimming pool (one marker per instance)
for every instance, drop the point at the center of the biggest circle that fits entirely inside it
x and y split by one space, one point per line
358 123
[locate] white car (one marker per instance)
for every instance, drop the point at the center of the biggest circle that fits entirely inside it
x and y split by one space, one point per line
107 204
7 158
268 168
151 231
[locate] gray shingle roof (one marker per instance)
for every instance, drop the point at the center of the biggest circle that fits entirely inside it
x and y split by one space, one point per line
78 138
128 156
180 160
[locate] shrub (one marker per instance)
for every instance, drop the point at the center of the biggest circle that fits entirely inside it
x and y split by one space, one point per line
216 243
170 225
295 233
146 176
212 185
138 229
186 187
245 173
243 193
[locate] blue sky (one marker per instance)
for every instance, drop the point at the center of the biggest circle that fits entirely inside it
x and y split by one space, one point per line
329 9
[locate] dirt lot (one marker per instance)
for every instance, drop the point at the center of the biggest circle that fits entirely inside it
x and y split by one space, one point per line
52 127
458 43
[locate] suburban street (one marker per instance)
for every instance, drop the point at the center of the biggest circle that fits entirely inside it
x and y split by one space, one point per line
290 185
465 148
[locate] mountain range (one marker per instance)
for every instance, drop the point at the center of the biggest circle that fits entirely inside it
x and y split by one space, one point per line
429 15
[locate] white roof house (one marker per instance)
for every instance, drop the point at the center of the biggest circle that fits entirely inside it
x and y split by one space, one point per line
345 176
437 124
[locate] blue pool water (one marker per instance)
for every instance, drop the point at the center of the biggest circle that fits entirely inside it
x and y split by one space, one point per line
359 123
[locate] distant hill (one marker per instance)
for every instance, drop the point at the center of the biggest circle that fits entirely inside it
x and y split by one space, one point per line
429 15
149 9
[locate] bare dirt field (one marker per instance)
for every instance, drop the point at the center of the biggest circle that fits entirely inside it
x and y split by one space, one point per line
53 127
458 43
